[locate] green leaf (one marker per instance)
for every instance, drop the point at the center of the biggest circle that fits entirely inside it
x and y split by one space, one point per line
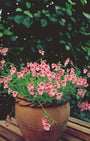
62 42
43 22
13 38
37 15
28 14
1 26
19 18
21 48
7 32
67 47
58 10
86 15
28 5
18 9
72 3
38 41
83 2
1 34
27 21
53 19
62 22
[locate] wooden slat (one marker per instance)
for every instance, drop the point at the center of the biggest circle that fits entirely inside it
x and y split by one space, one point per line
80 122
79 128
12 128
11 133
78 134
70 137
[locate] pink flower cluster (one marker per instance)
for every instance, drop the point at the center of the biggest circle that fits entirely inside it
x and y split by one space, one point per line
46 125
43 70
41 52
5 81
81 92
3 51
84 106
2 62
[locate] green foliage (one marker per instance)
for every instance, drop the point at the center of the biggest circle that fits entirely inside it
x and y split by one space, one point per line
62 27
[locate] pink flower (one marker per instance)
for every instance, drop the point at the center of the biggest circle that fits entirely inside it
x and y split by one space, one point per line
5 85
13 70
1 80
63 82
88 74
3 51
40 91
18 74
58 77
41 52
31 91
47 91
30 86
54 66
35 94
85 71
53 74
79 105
68 70
62 72
46 125
52 92
67 61
72 69
59 96
9 90
14 93
42 85
28 64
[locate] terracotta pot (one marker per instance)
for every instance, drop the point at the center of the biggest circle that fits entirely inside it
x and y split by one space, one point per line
29 120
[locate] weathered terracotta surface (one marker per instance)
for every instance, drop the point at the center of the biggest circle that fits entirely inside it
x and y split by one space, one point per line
29 120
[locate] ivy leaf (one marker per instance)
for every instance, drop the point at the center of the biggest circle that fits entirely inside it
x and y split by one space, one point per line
1 34
28 5
19 18
7 32
1 26
86 15
13 38
37 15
53 19
27 21
18 9
67 47
58 10
72 3
28 14
43 22
62 22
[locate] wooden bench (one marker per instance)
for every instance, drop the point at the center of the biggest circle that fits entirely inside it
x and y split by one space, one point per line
76 130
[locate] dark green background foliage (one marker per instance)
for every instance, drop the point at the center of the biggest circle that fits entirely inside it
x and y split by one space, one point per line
60 27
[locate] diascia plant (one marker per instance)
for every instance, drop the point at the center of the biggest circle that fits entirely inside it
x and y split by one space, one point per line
43 83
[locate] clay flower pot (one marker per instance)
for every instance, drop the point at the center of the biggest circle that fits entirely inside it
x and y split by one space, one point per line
29 120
